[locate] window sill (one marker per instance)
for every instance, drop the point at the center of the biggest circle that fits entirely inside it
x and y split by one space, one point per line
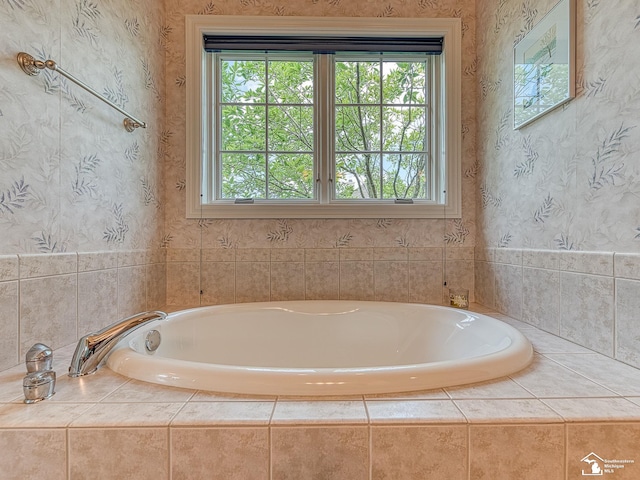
378 210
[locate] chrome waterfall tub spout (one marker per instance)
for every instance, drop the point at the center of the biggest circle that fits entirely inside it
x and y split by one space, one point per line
93 348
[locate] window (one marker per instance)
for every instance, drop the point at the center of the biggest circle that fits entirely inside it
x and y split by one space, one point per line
299 132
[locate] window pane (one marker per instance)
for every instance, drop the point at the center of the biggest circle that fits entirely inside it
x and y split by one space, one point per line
357 129
404 129
243 81
291 129
357 176
357 82
291 82
291 176
243 175
404 82
243 128
404 176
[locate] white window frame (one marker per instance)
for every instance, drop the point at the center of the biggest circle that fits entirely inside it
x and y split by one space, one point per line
447 145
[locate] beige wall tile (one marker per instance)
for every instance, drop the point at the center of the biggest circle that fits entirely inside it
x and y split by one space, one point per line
156 274
48 311
426 282
321 255
356 254
541 299
17 461
287 281
419 452
132 290
390 254
508 290
218 254
183 283
425 254
459 253
90 261
218 283
525 452
9 269
547 259
97 300
484 283
508 256
356 280
130 258
482 254
627 327
8 324
322 280
253 255
140 453
42 265
287 255
253 282
618 441
459 274
587 311
627 265
220 453
391 280
338 453
595 263
184 254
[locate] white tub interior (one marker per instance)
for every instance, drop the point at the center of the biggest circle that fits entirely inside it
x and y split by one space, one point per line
323 348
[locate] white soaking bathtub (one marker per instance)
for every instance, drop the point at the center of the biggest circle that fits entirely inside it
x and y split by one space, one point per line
322 348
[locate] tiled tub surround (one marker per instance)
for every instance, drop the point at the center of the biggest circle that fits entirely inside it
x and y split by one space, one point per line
236 275
56 299
539 423
590 298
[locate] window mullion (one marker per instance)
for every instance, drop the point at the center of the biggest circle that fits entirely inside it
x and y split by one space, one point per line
266 123
381 110
324 127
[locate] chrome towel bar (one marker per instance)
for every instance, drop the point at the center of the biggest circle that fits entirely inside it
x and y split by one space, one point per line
31 66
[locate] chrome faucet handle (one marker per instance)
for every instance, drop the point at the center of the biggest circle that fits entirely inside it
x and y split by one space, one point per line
39 386
39 358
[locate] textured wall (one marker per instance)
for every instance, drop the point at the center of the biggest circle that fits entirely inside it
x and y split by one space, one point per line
182 233
72 178
570 179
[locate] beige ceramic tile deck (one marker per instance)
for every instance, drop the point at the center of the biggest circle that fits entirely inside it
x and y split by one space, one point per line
567 385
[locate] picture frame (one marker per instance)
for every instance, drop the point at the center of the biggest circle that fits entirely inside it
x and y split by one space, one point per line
544 65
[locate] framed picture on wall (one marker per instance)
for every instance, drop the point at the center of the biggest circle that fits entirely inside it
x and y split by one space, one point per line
544 65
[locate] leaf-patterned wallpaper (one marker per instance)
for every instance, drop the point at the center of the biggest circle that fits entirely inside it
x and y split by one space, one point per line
571 179
183 233
72 179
